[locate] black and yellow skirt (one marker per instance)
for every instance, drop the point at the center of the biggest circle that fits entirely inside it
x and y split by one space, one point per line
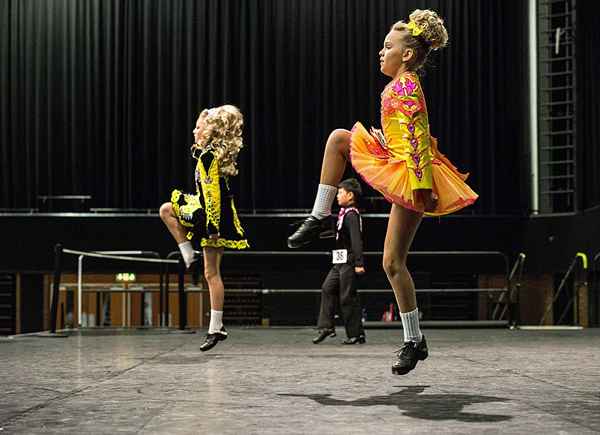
192 216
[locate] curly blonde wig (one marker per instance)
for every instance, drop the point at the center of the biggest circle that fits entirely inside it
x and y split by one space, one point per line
430 34
222 134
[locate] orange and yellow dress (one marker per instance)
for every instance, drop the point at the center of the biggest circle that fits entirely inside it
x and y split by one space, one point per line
405 158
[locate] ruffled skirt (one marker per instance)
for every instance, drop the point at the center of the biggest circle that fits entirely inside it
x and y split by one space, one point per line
192 217
391 177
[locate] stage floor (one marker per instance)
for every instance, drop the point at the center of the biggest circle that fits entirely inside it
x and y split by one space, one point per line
276 381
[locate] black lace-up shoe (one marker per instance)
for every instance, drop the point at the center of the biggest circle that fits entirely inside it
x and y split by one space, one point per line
323 334
212 339
355 340
408 356
311 229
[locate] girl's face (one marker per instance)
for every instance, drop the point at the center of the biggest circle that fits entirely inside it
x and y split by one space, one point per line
394 55
200 125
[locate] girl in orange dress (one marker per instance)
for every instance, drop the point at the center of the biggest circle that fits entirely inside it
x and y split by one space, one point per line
402 162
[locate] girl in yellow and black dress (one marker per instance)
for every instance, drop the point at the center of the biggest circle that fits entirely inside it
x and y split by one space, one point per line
209 216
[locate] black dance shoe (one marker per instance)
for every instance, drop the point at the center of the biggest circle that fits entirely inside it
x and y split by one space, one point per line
355 340
323 334
212 339
311 229
408 356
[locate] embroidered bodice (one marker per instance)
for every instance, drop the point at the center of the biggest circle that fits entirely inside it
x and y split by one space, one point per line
406 128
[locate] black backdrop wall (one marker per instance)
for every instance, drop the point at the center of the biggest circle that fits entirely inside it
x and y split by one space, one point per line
588 95
100 96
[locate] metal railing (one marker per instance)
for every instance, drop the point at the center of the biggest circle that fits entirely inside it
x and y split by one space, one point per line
506 311
59 251
579 260
508 302
501 311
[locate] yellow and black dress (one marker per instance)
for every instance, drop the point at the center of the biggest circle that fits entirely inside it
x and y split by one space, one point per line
209 215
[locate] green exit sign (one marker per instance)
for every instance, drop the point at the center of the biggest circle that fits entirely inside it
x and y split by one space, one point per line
125 277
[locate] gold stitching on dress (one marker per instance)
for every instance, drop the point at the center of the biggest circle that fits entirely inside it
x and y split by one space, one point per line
211 191
223 243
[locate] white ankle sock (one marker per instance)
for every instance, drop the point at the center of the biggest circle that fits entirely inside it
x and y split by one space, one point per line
410 324
187 252
216 321
324 200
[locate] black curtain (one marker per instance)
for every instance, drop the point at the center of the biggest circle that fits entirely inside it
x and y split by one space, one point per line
587 51
100 96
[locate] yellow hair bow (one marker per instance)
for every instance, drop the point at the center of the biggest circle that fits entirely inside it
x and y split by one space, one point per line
415 30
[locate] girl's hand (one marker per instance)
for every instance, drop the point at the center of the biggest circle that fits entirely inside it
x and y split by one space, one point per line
359 270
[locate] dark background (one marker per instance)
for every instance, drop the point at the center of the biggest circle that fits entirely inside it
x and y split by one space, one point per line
99 97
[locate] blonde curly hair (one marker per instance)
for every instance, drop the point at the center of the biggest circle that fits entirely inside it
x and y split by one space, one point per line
222 134
432 35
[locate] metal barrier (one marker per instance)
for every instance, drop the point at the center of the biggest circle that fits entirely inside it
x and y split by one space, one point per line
511 297
505 312
579 259
503 308
58 254
117 253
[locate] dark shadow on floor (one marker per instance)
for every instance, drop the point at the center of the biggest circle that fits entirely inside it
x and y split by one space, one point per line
424 406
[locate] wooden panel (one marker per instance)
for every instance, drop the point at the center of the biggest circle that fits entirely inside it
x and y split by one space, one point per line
121 311
205 309
193 310
88 309
174 309
535 298
583 306
487 301
116 310
135 308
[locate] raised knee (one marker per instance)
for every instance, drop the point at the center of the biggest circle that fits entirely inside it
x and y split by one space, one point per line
166 210
341 136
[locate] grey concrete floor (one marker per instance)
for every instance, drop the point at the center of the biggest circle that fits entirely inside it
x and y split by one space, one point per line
276 381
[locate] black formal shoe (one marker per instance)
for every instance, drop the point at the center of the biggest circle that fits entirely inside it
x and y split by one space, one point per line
355 340
408 355
323 334
311 229
212 339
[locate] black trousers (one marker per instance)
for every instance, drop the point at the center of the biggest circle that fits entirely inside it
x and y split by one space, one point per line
340 286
